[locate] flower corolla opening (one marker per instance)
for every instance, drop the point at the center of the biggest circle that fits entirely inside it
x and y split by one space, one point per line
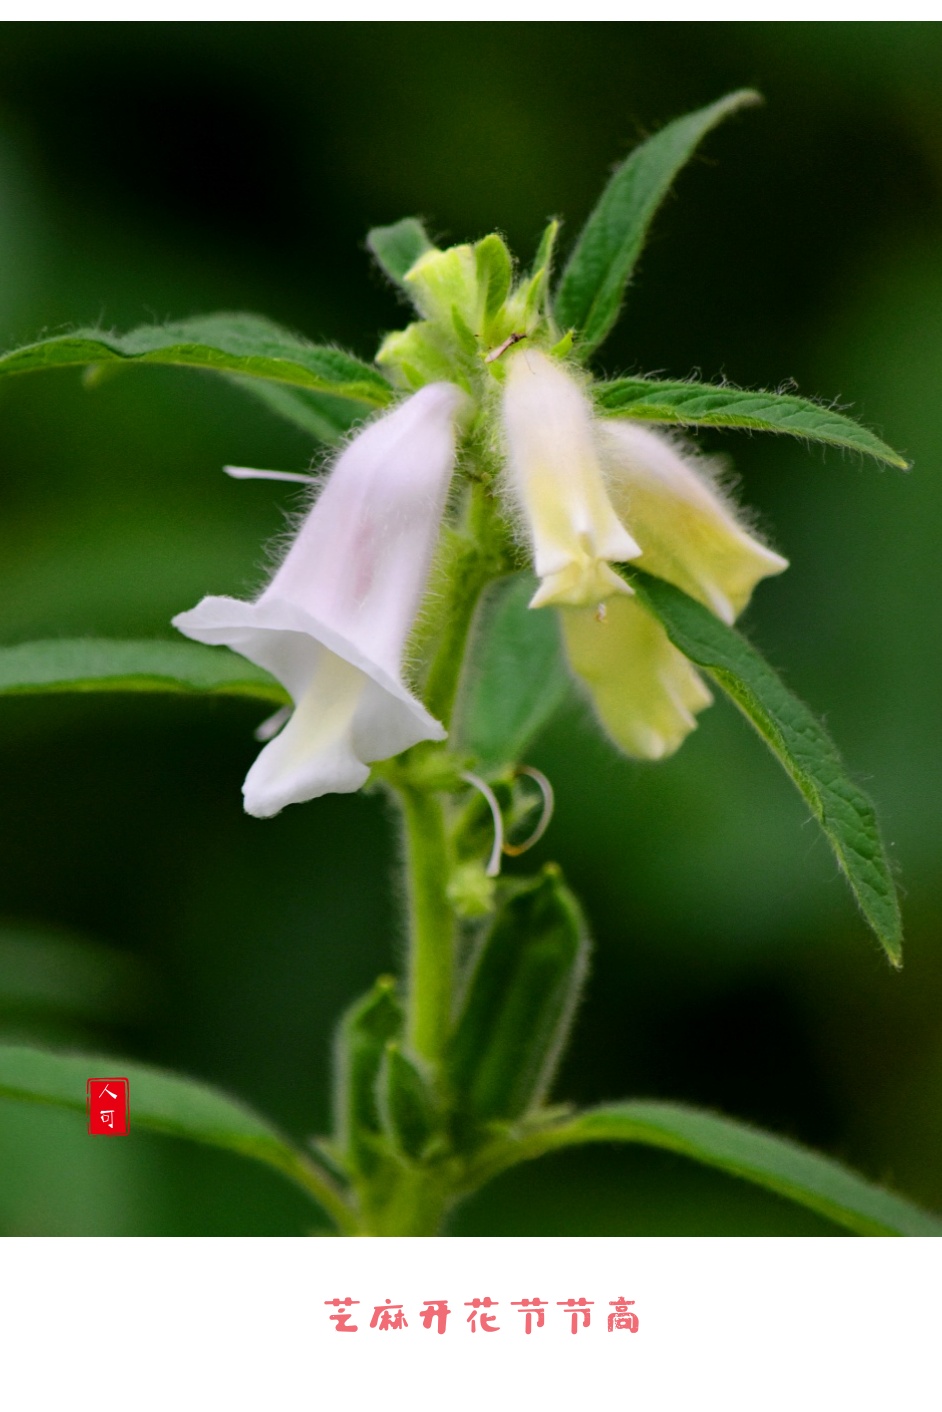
557 482
332 623
644 691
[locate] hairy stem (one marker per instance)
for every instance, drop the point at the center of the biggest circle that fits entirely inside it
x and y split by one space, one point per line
413 1204
432 923
478 557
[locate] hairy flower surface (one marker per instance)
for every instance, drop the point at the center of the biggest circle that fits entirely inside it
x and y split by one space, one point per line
333 622
556 479
688 531
644 691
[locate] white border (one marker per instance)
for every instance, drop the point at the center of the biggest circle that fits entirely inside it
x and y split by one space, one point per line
749 1325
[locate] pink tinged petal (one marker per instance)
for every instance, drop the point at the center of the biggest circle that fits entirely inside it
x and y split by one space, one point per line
333 622
361 559
688 531
556 481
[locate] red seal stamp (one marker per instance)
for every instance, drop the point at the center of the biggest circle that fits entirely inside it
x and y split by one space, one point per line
108 1108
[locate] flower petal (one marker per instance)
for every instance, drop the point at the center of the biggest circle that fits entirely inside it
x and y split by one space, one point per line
360 560
687 530
644 691
341 724
313 754
556 481
333 622
348 712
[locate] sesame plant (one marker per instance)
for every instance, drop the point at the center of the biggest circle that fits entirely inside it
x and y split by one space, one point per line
490 521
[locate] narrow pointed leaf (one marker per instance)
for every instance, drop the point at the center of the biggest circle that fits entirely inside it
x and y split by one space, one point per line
692 404
536 287
782 1166
494 271
594 281
166 1103
397 247
515 678
244 344
543 258
99 664
796 738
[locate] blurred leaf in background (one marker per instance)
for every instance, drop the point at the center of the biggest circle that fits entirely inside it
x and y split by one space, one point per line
244 169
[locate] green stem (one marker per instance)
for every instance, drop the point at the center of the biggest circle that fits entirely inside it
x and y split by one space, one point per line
432 923
479 556
413 1205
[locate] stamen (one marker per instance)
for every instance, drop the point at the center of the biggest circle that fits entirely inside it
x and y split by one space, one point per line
247 473
272 724
493 863
513 850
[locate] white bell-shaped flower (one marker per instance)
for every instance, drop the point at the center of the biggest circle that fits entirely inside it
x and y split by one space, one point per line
645 693
556 482
333 622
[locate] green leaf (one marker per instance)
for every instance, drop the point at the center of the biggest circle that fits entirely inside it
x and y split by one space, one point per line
397 247
782 1166
327 419
494 271
359 1049
167 1103
800 743
525 984
515 678
536 287
406 1104
98 664
593 282
244 344
544 251
692 404
465 338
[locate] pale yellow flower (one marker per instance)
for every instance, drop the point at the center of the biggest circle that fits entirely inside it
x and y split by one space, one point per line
556 481
644 691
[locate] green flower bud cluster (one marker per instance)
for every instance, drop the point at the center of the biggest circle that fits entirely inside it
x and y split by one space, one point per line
471 311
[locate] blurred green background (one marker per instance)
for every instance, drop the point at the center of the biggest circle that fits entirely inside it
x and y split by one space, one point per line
159 171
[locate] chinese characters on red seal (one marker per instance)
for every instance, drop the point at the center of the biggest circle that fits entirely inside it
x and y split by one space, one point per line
107 1101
